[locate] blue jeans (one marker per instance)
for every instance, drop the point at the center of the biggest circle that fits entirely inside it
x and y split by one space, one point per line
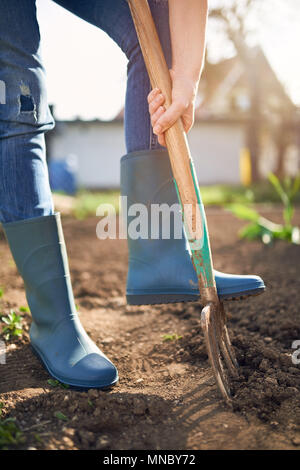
25 115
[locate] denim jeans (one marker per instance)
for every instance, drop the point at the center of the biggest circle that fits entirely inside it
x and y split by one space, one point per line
25 115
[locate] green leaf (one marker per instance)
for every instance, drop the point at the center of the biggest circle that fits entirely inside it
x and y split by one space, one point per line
288 213
279 189
24 309
171 337
244 212
53 382
296 187
61 416
57 383
251 231
17 332
16 318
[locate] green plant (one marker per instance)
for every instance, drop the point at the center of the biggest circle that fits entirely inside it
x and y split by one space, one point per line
56 383
59 415
13 325
10 434
265 229
24 309
1 292
171 337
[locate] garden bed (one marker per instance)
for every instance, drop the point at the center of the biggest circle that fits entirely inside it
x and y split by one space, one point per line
166 397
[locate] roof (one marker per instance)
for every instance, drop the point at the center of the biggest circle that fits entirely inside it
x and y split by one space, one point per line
219 80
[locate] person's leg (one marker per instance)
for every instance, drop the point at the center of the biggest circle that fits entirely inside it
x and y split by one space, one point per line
33 232
159 271
113 17
24 116
138 130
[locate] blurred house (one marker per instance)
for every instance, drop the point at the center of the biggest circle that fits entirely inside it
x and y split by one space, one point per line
246 90
225 123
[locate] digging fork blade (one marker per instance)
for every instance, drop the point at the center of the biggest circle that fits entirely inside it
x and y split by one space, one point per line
218 346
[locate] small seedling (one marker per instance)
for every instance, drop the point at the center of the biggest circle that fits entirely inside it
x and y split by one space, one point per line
172 337
61 416
10 434
1 292
90 403
56 383
13 326
24 309
1 408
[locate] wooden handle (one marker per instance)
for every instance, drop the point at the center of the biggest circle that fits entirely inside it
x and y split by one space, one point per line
178 149
160 78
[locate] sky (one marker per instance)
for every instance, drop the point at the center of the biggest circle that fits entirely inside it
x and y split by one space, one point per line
86 71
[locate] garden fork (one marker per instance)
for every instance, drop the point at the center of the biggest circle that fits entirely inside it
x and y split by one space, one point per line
213 317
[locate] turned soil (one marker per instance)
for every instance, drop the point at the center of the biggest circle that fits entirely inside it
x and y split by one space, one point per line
166 397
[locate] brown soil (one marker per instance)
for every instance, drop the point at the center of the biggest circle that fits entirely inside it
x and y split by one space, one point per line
166 398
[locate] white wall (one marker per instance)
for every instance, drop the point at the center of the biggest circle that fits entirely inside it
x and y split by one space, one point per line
99 146
215 149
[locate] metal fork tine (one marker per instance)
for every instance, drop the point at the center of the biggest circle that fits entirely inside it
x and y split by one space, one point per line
224 341
226 338
210 335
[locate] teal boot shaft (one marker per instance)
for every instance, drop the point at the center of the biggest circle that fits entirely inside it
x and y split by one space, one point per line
56 333
161 271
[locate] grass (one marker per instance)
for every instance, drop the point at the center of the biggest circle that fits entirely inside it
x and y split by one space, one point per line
86 202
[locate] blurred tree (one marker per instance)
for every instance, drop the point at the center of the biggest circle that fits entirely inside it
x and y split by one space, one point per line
239 20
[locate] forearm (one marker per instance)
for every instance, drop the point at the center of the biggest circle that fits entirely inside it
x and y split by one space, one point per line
188 20
188 31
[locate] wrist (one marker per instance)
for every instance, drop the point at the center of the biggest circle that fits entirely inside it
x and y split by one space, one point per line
189 79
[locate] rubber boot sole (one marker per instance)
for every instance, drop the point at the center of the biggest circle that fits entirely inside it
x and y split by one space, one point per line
160 299
71 385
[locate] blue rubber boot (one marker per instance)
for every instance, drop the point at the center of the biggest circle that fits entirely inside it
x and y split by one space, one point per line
160 271
56 333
